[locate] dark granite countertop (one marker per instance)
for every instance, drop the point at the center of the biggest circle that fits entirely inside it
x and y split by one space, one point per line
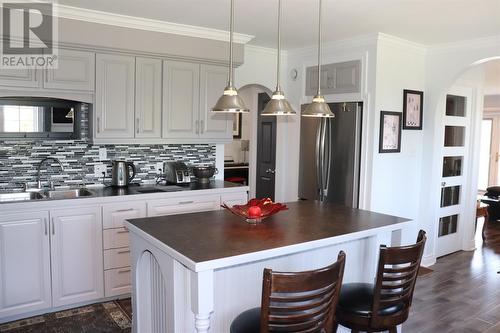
136 189
214 235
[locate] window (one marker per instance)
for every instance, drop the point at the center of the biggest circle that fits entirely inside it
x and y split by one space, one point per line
18 118
485 153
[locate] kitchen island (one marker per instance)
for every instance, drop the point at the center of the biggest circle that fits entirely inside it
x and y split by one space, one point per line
197 272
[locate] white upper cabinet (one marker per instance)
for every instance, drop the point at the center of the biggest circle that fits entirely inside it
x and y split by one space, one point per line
24 263
115 91
213 79
26 78
77 261
148 81
75 71
181 85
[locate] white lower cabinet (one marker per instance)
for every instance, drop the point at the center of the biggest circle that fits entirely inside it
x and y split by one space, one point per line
77 261
183 205
117 279
239 198
24 263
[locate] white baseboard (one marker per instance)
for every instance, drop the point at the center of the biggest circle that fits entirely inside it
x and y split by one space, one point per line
428 260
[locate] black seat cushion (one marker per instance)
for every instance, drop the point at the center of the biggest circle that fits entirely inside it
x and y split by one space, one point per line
357 298
493 192
247 322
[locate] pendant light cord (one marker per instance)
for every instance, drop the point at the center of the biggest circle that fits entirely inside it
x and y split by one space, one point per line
319 50
231 27
278 85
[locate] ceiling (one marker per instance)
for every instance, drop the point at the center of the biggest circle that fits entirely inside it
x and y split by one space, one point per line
422 21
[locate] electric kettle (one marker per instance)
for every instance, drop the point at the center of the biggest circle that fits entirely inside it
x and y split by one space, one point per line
120 173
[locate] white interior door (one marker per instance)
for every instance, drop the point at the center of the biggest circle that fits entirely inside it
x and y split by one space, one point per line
455 150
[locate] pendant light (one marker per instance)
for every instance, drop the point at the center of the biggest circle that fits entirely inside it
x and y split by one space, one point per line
318 107
278 105
230 102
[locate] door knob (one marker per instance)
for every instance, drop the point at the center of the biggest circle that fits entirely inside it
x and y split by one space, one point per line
270 171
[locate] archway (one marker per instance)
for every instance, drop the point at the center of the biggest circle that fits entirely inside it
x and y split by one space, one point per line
466 73
243 149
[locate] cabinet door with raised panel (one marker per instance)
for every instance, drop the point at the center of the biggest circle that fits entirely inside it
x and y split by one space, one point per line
213 79
148 80
75 71
181 84
114 107
76 253
24 78
24 263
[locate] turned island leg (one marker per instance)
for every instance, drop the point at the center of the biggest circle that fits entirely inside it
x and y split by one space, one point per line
202 299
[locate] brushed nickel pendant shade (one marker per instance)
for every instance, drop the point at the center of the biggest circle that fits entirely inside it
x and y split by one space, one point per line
318 108
230 102
278 105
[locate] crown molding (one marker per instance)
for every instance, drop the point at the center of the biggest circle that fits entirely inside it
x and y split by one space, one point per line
357 41
133 22
392 40
490 41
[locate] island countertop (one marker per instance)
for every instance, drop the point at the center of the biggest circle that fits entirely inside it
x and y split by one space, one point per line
215 239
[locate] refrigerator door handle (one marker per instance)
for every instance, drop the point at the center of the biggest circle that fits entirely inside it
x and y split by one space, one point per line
322 158
327 163
319 180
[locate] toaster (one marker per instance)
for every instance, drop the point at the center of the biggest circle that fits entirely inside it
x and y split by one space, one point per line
176 173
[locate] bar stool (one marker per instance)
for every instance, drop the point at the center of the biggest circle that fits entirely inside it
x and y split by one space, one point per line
295 302
383 306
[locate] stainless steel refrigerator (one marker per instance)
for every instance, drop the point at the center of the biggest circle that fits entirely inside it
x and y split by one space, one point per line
330 151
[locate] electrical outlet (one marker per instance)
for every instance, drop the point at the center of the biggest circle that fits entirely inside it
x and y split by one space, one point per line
159 166
99 169
103 154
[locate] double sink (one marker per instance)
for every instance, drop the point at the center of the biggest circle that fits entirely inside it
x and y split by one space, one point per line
53 194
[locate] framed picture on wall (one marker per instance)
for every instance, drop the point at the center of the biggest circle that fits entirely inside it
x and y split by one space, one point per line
237 126
390 132
413 112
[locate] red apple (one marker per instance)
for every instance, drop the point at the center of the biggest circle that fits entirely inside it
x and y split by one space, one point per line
254 212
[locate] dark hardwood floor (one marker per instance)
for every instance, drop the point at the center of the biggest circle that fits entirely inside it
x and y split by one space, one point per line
463 292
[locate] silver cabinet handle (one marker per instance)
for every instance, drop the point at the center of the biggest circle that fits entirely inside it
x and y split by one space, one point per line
202 127
137 124
45 223
197 125
124 210
53 227
270 171
124 251
121 271
185 202
98 125
122 232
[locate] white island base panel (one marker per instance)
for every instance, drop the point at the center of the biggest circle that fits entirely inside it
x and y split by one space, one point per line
168 297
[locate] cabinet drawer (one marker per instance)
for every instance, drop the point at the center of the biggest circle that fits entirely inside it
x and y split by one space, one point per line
115 238
183 205
113 215
117 281
234 198
116 258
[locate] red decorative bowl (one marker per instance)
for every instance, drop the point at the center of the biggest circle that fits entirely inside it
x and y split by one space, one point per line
256 209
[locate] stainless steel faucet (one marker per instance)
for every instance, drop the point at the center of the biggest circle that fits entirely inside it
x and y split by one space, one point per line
40 166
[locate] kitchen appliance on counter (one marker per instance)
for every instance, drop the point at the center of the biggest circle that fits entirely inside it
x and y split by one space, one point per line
204 173
120 173
330 171
176 173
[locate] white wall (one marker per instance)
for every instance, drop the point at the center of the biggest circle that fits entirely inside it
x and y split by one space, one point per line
395 181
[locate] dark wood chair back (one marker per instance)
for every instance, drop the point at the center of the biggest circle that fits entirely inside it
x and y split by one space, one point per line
302 301
395 281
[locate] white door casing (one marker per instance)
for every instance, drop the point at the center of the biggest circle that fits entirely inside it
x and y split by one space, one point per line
452 217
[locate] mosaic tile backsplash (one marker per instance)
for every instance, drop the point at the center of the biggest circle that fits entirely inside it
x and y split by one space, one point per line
19 159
